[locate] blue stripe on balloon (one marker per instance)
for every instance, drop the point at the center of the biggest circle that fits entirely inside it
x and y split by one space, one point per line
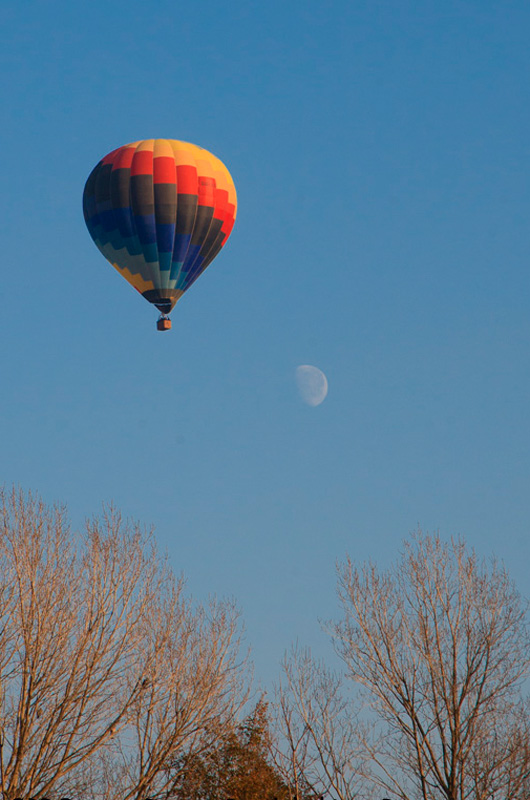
164 261
165 234
195 271
181 282
116 239
150 252
193 252
134 248
125 222
176 266
106 219
89 207
181 246
146 228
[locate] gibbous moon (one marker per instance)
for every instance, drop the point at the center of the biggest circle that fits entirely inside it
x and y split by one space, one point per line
312 384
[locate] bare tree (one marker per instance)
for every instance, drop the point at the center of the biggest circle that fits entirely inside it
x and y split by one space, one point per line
440 644
106 669
318 748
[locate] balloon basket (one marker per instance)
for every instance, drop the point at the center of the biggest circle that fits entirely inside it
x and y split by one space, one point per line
163 324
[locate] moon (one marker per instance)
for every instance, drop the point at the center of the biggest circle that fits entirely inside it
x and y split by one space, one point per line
312 384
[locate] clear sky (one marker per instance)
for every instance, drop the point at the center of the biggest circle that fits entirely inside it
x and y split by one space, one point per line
380 150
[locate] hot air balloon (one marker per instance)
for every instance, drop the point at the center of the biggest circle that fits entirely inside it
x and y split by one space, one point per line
160 210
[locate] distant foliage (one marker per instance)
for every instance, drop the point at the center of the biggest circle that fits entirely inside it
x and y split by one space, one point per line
239 767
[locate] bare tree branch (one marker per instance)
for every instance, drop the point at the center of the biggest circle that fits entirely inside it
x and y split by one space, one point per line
319 748
440 643
106 669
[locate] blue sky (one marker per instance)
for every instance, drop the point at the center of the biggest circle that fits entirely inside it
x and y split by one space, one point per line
380 153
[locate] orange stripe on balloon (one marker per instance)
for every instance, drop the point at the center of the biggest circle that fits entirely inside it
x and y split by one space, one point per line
162 148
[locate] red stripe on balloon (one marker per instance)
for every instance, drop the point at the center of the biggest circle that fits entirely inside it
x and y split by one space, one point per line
142 163
124 157
230 219
186 179
221 204
110 157
206 191
164 170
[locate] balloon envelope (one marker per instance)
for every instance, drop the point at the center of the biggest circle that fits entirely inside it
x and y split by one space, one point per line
160 210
